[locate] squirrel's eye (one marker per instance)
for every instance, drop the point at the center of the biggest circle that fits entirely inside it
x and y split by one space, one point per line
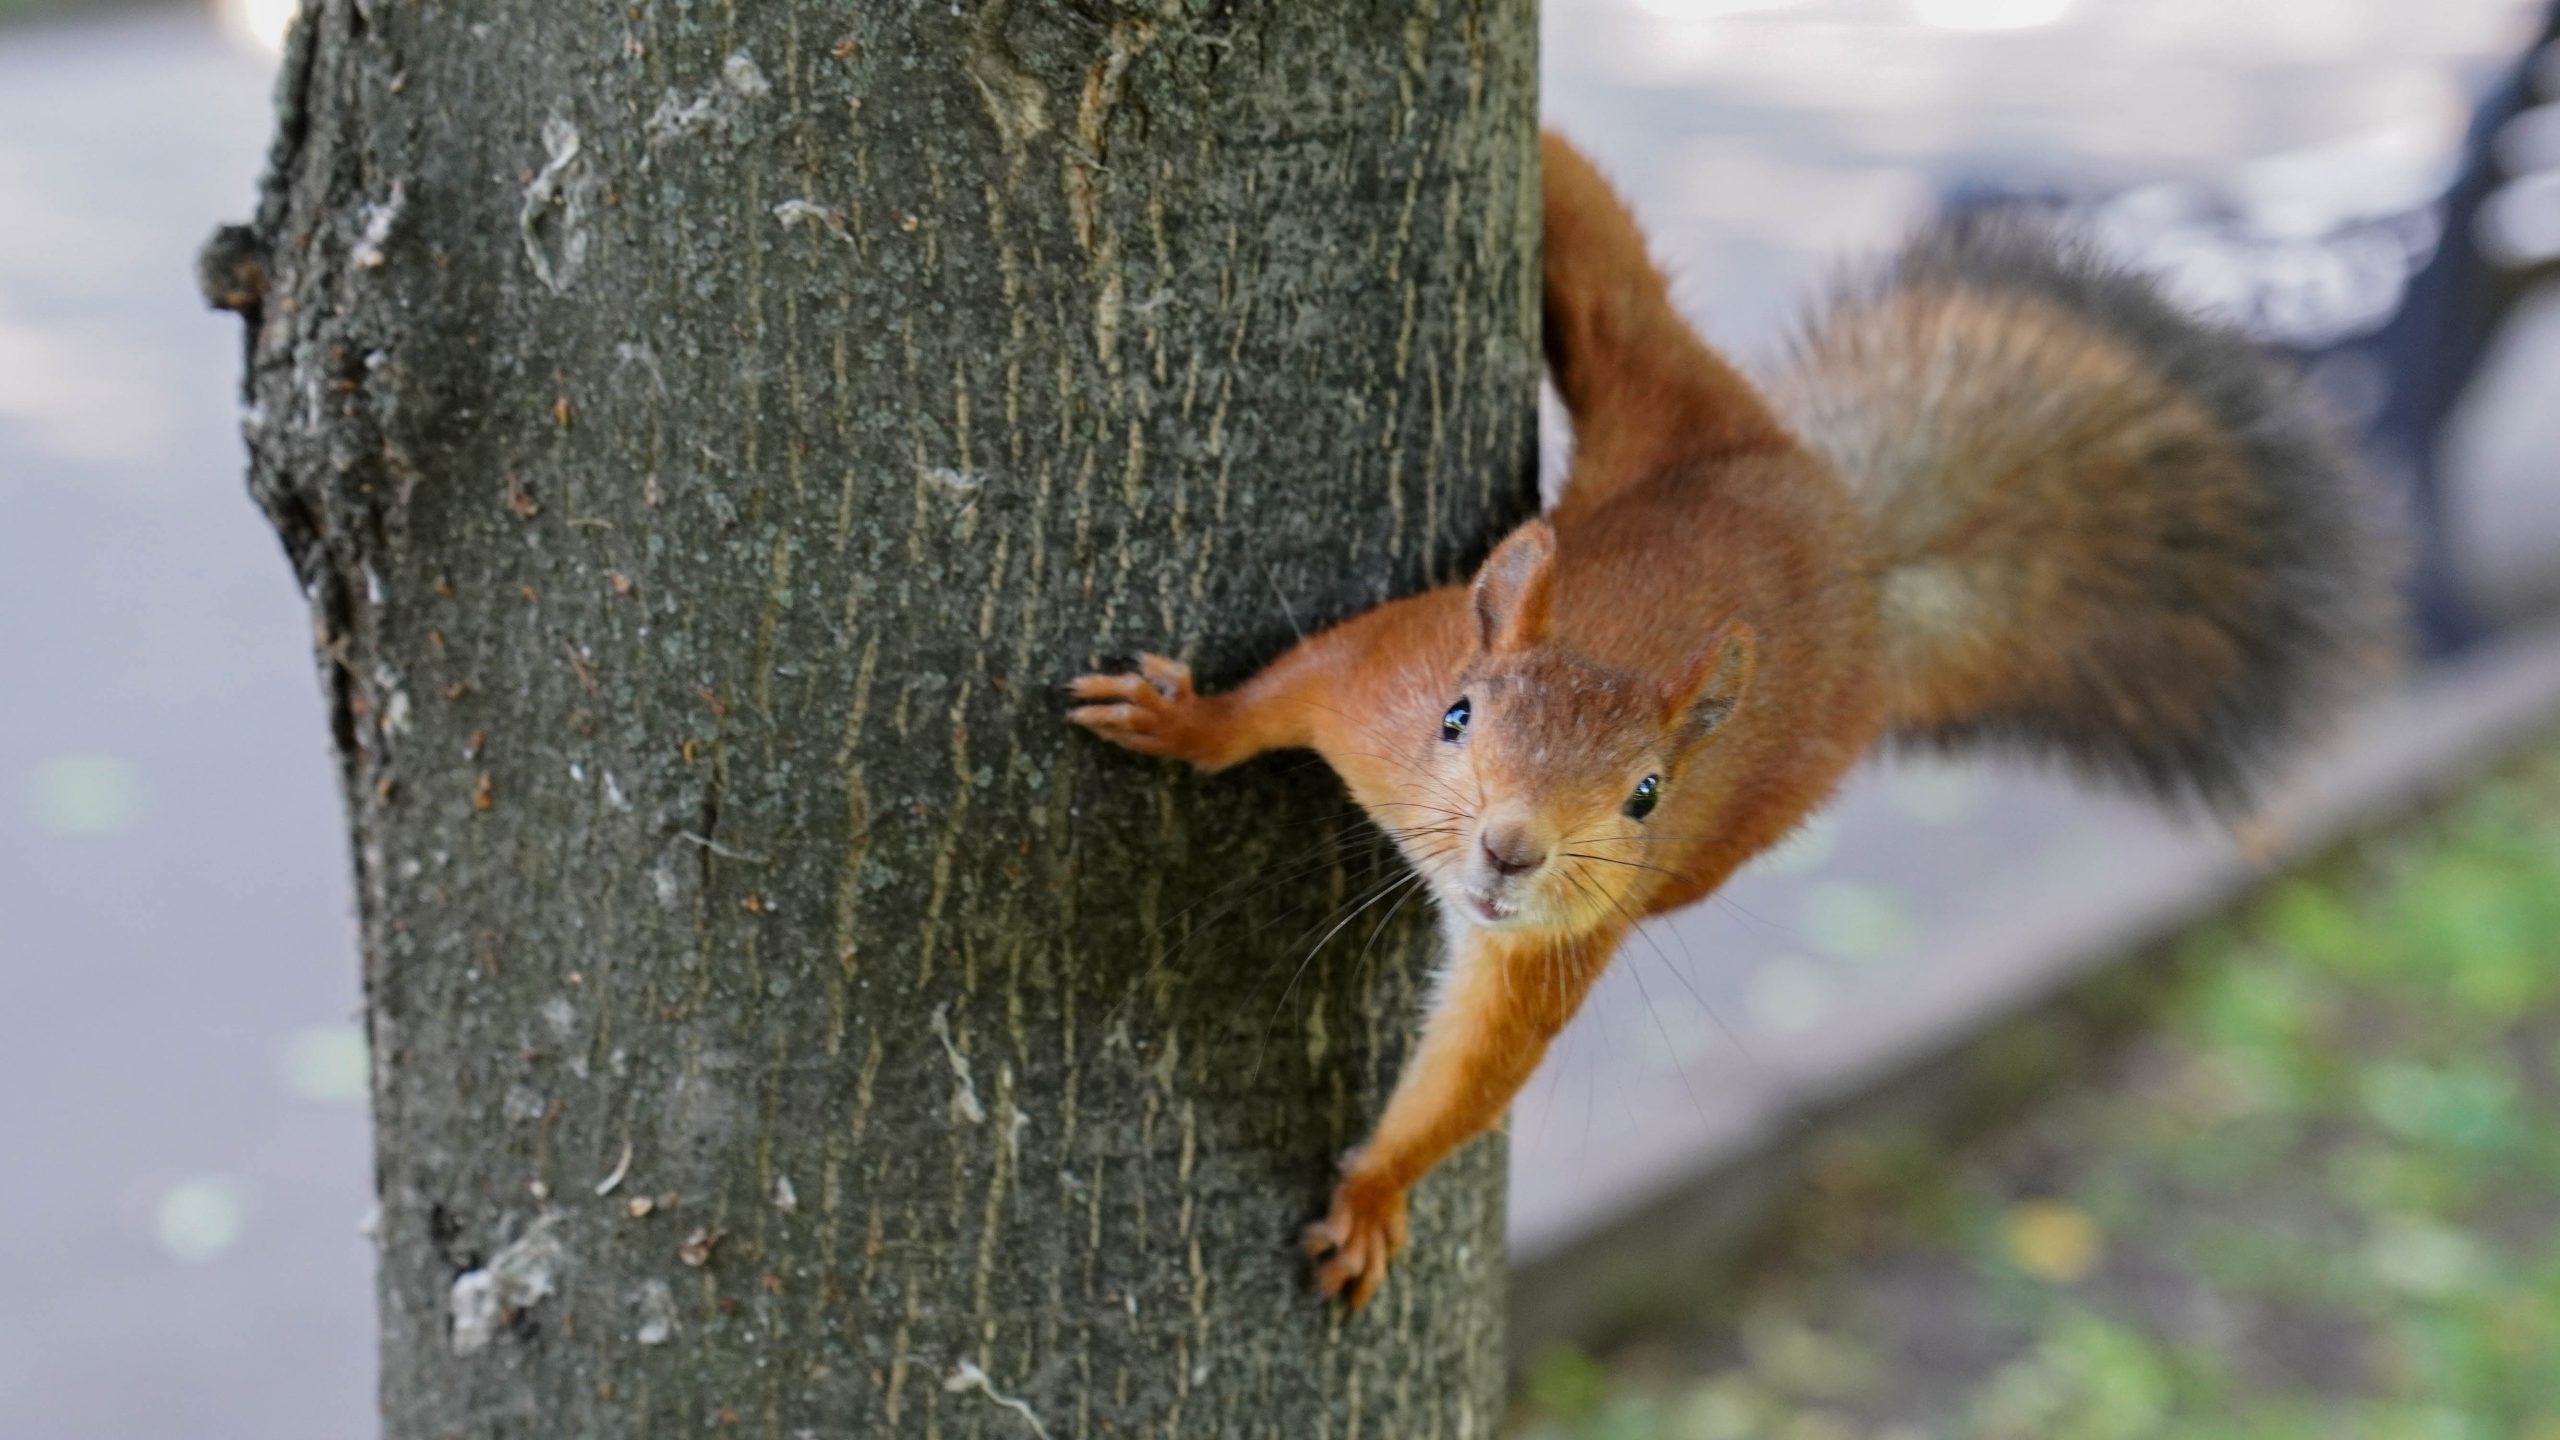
1641 803
1453 726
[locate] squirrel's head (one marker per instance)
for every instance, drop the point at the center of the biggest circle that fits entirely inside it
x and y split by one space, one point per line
1562 777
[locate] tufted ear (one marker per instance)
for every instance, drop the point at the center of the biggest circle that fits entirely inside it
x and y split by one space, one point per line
1703 699
1512 591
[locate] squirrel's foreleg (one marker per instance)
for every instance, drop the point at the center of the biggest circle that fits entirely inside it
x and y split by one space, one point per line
1339 691
1503 999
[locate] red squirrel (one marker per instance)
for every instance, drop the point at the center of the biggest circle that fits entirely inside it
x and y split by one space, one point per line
2003 494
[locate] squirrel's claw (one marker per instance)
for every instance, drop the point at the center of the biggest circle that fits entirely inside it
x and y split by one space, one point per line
1171 678
1122 725
1360 1234
1149 712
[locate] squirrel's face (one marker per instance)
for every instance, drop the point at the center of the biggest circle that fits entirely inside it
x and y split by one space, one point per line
1555 782
1552 769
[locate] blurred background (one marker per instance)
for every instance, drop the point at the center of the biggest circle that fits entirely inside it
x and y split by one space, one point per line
1981 1109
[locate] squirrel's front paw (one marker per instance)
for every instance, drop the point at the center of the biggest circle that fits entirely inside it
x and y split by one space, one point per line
1154 712
1364 1229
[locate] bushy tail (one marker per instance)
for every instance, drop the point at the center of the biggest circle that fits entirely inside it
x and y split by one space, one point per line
2107 533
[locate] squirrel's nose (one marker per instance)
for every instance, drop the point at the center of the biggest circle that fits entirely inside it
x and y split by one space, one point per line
1512 850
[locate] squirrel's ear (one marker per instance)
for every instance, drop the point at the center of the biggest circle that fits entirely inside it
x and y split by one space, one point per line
1705 697
1512 590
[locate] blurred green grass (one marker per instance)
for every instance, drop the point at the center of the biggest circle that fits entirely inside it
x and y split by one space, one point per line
2309 1188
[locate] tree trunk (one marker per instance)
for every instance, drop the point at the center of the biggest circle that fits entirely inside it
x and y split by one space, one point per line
708 433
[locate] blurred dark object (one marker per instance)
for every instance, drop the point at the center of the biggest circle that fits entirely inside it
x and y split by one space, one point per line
2390 313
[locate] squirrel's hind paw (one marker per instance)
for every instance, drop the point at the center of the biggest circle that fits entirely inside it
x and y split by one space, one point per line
1154 712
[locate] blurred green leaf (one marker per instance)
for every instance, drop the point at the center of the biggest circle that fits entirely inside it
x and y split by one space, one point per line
2463 1106
2468 926
2313 921
1566 1383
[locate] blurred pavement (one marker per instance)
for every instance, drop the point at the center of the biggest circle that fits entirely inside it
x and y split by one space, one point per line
185 1131
183 1122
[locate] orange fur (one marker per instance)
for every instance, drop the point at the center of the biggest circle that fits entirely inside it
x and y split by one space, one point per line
1638 693
1739 671
1506 998
1645 392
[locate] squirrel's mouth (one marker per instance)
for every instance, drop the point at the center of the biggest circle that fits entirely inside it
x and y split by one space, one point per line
1488 908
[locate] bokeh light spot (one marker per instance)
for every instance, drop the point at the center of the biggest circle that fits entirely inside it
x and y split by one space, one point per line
84 795
200 1218
327 1063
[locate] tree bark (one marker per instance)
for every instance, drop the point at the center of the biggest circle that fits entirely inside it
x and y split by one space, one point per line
707 434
